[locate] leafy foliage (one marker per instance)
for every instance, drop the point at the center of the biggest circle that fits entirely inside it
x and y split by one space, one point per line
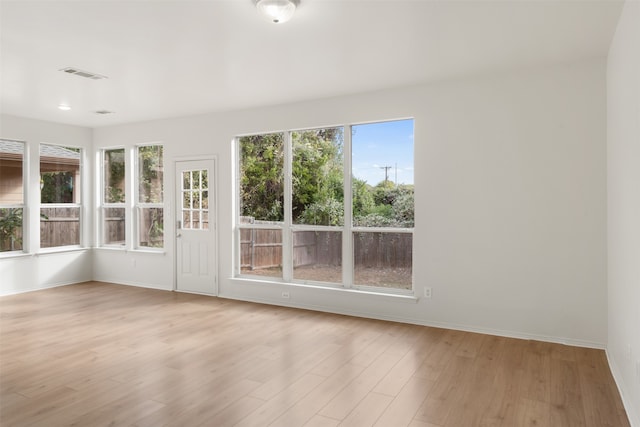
317 180
150 165
114 176
57 187
10 229
261 177
318 195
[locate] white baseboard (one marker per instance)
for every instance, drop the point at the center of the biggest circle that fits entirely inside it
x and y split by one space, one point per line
632 413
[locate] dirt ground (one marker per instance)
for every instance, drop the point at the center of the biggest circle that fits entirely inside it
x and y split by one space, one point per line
398 278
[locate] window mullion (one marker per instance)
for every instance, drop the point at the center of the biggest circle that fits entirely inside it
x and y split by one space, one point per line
347 235
287 233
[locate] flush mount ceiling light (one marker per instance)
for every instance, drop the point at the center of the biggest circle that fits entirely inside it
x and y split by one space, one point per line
277 11
64 107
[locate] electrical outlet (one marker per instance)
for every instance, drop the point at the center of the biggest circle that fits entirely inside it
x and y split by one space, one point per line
427 292
285 295
133 262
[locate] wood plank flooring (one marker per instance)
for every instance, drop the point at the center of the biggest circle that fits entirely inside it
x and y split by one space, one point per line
98 354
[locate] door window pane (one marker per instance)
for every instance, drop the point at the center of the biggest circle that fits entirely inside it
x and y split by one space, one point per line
195 200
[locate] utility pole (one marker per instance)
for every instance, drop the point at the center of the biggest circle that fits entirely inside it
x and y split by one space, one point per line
386 172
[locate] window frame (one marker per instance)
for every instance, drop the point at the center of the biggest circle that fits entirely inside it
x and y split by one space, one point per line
23 206
79 204
104 205
139 207
287 226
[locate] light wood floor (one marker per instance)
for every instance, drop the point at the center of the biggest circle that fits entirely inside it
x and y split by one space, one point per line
96 354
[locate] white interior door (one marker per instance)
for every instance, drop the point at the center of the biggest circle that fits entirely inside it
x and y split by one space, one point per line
196 254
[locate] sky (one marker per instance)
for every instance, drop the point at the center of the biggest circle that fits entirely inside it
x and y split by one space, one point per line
376 145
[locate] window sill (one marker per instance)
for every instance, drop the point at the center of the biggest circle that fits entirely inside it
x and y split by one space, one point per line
148 251
61 249
134 251
380 295
14 255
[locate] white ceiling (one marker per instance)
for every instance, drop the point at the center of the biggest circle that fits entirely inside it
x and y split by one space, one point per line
174 58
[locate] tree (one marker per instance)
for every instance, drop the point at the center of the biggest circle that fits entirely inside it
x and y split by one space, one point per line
318 194
10 229
261 177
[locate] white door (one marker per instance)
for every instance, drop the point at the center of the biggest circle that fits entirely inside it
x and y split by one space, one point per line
196 227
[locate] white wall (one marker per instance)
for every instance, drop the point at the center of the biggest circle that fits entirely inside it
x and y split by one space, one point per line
510 201
41 269
623 173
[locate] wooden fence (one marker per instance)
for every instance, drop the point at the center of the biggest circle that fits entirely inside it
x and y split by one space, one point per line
262 249
59 227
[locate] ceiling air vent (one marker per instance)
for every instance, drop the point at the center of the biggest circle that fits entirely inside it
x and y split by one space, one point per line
81 73
104 112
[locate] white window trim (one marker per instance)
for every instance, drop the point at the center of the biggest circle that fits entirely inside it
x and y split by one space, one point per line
103 206
139 206
80 205
348 229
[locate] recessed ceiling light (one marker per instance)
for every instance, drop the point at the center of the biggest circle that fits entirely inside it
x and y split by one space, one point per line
64 107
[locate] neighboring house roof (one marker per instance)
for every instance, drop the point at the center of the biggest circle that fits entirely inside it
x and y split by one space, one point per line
58 152
12 147
8 146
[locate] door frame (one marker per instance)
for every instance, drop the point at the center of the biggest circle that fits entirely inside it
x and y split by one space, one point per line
214 211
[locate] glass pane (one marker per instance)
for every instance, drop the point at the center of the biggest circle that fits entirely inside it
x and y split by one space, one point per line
150 174
317 256
196 179
10 229
261 252
383 259
186 219
59 174
195 199
205 179
205 200
186 200
195 219
11 160
261 177
114 176
113 226
186 180
59 227
205 220
317 173
382 170
151 227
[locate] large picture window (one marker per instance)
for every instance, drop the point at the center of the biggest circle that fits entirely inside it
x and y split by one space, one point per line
60 196
11 195
306 196
150 188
